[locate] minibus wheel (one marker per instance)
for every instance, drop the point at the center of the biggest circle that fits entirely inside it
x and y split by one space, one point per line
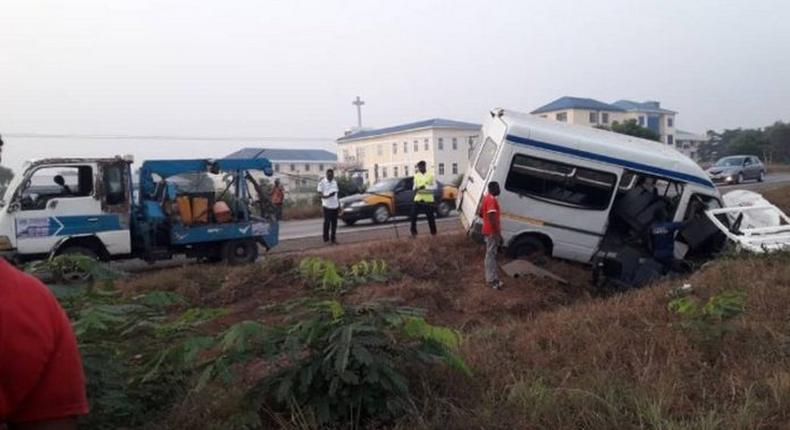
529 247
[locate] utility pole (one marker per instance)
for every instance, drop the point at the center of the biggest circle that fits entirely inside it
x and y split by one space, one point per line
358 103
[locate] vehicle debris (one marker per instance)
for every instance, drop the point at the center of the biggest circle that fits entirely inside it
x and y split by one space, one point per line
519 268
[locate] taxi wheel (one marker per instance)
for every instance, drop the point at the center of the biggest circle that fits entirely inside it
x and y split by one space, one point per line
381 214
443 209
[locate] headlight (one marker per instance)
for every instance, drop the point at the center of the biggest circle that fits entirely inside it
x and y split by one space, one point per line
5 243
358 204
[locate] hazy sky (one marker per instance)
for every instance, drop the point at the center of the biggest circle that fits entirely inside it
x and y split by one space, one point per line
291 68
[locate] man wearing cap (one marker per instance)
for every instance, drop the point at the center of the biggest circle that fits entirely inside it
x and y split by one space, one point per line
424 188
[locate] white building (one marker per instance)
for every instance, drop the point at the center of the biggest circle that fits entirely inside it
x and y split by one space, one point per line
591 112
394 151
297 169
688 143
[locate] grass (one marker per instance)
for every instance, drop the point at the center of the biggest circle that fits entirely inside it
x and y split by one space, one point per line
543 355
300 212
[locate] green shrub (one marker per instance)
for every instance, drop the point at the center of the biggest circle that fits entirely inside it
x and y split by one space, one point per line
707 324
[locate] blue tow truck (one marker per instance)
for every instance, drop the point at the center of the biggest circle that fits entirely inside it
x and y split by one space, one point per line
89 206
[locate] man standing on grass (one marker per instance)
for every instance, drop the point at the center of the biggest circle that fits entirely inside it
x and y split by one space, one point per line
424 187
328 190
492 230
278 197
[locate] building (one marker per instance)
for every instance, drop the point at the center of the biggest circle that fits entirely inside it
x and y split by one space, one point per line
394 151
591 112
688 143
297 169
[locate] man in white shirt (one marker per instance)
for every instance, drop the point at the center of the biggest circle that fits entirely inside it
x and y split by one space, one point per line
328 190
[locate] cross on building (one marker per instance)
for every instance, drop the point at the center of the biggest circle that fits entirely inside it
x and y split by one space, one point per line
358 103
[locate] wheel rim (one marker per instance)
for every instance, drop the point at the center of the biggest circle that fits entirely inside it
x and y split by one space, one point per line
72 274
444 209
240 251
381 214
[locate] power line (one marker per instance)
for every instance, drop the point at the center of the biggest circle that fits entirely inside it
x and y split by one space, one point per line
165 137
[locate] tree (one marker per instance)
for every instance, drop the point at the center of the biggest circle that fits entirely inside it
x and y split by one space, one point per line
6 175
747 142
631 128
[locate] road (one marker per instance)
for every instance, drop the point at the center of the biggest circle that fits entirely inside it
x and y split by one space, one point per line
299 236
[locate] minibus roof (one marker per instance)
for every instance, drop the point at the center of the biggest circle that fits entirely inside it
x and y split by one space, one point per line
603 146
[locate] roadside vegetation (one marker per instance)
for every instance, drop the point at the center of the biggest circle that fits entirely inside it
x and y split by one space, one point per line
404 335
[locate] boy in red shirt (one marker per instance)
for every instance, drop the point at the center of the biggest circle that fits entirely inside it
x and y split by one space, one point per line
492 231
42 385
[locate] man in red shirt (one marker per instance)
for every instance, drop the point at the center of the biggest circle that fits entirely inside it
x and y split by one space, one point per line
492 231
42 385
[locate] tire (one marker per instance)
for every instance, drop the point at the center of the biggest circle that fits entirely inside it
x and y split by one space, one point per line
242 251
381 214
528 247
761 176
443 209
349 222
71 274
739 178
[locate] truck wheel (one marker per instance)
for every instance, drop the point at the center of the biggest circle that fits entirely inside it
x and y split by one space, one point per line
381 214
443 209
74 272
240 251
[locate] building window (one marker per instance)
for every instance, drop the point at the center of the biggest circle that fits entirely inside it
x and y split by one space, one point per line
544 116
562 116
345 154
562 183
306 167
405 148
605 117
320 167
441 144
441 168
383 172
670 121
670 139
427 145
395 172
379 150
641 120
394 148
594 117
367 176
405 170
293 167
416 146
277 168
455 144
455 168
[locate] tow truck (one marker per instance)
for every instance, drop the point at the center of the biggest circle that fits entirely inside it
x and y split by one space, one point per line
91 207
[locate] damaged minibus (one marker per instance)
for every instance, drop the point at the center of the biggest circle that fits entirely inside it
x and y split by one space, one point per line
585 194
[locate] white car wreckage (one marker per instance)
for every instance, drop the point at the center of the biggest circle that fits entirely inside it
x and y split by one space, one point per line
751 222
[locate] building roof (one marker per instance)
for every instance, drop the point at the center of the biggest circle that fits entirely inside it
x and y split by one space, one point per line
284 155
687 135
428 123
647 107
603 146
567 102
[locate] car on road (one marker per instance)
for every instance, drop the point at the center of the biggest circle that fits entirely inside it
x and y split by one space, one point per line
392 197
737 168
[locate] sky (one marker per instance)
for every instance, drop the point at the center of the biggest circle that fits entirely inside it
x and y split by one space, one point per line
284 73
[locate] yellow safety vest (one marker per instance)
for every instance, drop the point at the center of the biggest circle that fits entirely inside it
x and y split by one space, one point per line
424 195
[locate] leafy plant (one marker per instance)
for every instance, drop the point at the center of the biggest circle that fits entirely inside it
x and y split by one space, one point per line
708 323
327 276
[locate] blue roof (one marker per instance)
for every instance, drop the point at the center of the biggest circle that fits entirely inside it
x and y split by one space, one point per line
280 155
428 123
567 102
649 107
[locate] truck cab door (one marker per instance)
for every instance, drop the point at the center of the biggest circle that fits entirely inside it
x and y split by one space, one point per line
116 201
54 202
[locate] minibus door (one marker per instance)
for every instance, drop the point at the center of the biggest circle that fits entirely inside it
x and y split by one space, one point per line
474 186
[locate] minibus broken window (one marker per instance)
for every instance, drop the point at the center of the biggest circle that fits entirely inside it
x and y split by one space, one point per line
562 183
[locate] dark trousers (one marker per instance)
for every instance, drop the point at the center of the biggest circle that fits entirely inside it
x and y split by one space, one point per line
278 211
426 208
330 224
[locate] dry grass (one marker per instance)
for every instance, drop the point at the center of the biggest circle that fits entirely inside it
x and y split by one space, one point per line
779 196
293 213
545 355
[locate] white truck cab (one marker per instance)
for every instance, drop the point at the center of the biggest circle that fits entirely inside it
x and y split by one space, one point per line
574 192
62 205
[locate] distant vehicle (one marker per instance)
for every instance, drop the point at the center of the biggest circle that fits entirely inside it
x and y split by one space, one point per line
392 197
737 168
584 194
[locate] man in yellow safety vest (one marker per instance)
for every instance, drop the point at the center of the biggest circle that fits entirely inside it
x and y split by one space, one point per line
424 188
